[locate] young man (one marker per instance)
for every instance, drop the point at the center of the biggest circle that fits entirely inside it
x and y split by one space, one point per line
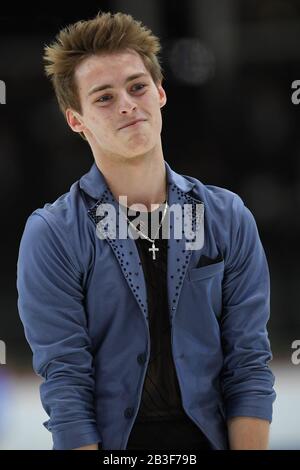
144 341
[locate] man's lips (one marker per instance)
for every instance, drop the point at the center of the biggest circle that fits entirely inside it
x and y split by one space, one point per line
132 123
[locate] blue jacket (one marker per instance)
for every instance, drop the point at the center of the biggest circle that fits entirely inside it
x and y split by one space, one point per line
83 304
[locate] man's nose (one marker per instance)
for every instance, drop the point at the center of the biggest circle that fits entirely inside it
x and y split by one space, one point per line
127 104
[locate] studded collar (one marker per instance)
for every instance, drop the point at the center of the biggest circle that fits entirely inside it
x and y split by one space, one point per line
94 184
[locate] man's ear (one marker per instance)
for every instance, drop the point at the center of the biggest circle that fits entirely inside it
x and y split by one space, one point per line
74 120
162 95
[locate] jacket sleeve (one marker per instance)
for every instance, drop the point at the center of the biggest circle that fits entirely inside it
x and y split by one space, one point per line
51 307
247 381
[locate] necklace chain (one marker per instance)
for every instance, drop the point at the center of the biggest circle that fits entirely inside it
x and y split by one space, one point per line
153 249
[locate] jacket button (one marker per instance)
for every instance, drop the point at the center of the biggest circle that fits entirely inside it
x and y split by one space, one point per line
128 413
142 358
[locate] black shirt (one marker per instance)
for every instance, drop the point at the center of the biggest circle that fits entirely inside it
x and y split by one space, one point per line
161 422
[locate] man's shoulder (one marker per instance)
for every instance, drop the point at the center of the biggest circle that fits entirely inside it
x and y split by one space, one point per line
226 214
215 198
57 220
63 211
56 226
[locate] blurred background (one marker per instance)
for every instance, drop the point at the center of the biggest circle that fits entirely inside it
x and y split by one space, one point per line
229 121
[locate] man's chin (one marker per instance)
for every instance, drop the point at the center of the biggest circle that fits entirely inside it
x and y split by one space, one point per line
135 156
137 153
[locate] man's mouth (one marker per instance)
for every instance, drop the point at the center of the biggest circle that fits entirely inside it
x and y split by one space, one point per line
133 123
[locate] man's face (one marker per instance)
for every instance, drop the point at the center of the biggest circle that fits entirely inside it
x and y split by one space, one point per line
129 94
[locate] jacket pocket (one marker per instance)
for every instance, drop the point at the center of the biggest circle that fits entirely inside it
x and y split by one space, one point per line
196 274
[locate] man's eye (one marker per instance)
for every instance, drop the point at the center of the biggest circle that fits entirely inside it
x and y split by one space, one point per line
102 98
140 85
136 87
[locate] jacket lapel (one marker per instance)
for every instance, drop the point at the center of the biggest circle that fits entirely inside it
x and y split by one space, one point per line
186 234
125 250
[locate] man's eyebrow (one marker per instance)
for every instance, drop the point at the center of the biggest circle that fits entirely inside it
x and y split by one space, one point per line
104 87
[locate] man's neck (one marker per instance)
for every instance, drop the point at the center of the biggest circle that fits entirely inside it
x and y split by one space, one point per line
142 179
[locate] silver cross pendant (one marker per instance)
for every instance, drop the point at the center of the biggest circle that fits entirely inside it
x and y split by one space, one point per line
153 249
